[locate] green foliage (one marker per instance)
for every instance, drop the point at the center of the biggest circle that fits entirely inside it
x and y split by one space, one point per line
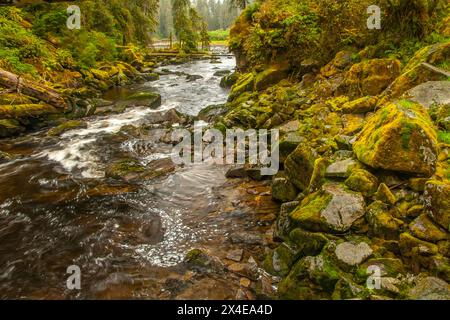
219 35
53 22
444 137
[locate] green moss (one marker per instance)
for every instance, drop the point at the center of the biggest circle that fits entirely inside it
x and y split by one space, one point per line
66 126
444 137
362 181
406 132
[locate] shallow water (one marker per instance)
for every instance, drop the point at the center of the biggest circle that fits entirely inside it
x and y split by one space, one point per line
57 208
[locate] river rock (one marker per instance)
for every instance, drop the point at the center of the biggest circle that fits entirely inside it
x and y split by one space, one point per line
351 254
430 93
283 223
381 221
193 77
270 76
424 228
437 200
399 137
142 99
370 77
361 105
332 209
429 288
235 255
229 80
299 166
66 126
282 189
363 181
212 112
341 168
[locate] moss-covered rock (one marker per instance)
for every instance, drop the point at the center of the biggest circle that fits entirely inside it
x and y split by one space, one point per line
347 289
318 175
437 199
299 166
307 243
332 209
382 221
361 105
245 83
416 72
127 169
350 254
341 168
424 228
66 126
363 181
142 99
282 189
411 246
399 137
370 77
229 80
270 76
10 127
385 195
307 273
279 261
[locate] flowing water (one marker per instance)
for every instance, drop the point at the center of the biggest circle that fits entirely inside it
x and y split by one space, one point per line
129 239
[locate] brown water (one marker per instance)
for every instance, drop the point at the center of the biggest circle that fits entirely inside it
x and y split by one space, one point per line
129 239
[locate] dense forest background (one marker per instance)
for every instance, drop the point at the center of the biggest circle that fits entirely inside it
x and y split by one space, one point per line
218 14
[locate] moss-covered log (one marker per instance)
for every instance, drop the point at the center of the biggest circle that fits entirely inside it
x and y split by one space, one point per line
36 90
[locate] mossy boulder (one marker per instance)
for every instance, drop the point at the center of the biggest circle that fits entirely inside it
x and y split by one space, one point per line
424 228
417 71
270 76
245 83
363 181
142 99
389 267
384 194
283 223
429 288
66 126
370 77
279 261
299 166
307 273
229 80
283 189
399 137
318 175
10 127
332 209
350 254
411 246
430 93
307 243
341 168
24 112
382 221
437 199
361 105
346 289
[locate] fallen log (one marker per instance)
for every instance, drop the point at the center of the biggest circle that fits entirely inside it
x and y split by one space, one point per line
33 89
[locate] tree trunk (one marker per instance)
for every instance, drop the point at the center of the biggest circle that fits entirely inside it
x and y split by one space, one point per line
33 89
